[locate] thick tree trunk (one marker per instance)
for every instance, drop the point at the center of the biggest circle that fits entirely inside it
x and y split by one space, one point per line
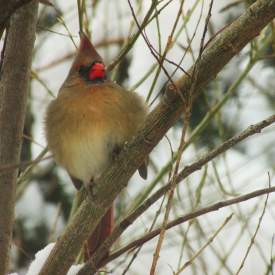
15 76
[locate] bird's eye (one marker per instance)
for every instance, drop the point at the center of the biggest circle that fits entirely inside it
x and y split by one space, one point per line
82 70
93 72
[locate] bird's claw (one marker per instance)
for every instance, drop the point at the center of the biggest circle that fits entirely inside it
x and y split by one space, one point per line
89 187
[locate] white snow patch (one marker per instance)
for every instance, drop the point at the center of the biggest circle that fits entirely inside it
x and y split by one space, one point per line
74 269
40 258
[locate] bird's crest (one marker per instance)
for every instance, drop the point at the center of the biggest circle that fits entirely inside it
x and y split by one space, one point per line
86 54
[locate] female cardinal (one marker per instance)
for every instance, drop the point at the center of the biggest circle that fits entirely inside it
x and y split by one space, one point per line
90 119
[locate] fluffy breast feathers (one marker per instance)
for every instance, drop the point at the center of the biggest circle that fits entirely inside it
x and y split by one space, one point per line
85 123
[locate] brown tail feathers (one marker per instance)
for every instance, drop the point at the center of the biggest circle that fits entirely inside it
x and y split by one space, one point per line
102 231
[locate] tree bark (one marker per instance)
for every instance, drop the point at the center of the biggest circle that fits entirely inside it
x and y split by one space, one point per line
217 54
14 84
8 7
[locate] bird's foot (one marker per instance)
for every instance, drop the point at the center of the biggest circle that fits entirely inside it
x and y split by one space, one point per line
89 187
116 151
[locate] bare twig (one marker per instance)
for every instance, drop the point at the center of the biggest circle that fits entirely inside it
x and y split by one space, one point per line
133 39
255 233
271 255
215 207
80 14
70 55
152 49
22 165
186 114
211 239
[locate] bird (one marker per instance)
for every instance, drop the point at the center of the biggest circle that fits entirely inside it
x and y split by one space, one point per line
89 122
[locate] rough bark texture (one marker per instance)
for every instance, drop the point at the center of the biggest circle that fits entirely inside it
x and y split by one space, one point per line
221 49
8 7
14 84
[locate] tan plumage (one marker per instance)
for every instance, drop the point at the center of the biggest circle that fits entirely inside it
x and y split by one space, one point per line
85 123
88 120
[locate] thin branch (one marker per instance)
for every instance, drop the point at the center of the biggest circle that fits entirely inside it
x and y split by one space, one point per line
186 113
80 15
23 164
70 55
271 256
153 51
215 207
211 239
133 39
255 233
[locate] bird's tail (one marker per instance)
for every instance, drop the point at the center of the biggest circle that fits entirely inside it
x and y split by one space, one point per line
102 231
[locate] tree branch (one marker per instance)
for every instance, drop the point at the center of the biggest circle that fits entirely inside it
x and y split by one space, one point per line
217 54
214 207
92 264
15 75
